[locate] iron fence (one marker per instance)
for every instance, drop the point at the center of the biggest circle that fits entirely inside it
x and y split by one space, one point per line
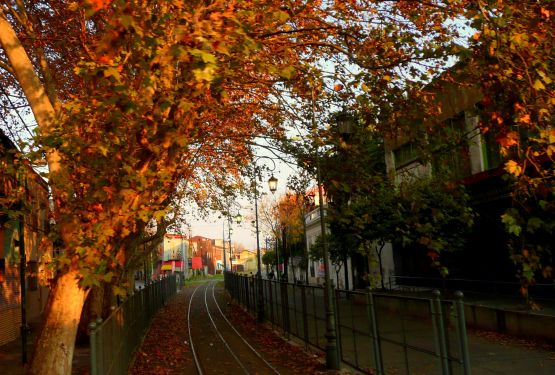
540 291
377 333
114 341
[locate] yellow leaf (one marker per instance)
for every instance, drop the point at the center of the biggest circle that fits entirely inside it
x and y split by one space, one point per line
538 85
545 77
513 168
112 72
206 74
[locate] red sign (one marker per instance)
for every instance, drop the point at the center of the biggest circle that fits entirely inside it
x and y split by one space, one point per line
197 263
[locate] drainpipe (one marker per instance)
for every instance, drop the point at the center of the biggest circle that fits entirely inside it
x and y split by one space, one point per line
22 270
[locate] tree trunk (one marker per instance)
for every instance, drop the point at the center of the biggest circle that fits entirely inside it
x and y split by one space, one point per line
92 310
55 344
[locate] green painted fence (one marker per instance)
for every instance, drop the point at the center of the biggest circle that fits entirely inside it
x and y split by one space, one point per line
114 341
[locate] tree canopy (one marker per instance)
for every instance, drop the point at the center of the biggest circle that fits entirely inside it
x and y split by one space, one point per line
140 103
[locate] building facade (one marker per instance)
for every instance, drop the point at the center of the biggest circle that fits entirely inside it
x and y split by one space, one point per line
36 262
175 254
474 161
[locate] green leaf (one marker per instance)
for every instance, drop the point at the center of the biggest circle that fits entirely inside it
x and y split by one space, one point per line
511 224
126 20
534 223
205 56
288 72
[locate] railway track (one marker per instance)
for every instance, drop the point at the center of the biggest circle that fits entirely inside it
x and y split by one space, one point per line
217 347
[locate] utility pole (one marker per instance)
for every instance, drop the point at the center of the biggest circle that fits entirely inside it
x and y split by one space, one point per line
223 245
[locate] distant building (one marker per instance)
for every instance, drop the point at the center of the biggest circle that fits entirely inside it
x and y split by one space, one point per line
175 254
219 251
246 261
316 273
205 249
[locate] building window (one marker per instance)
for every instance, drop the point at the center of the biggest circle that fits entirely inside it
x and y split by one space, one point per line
491 151
405 154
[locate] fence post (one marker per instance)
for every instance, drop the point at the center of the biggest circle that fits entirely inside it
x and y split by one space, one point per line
461 325
305 316
337 326
377 350
93 346
271 302
284 307
437 319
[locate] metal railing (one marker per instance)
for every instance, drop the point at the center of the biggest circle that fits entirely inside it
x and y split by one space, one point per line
479 287
377 333
114 341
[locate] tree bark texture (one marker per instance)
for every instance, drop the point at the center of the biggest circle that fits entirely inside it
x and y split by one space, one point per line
54 347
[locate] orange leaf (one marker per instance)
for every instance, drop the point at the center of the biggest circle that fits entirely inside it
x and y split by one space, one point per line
507 139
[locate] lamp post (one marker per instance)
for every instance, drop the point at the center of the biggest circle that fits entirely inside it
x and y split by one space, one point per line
332 357
229 232
223 245
272 185
238 218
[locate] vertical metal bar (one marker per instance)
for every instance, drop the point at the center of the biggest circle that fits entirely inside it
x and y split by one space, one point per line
315 316
295 310
337 326
22 284
278 305
265 297
463 340
352 328
405 348
287 309
376 345
271 301
241 289
305 316
238 289
440 329
93 348
99 332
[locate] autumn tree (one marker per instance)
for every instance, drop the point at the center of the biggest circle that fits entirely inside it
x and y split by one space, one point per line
290 229
269 260
512 60
136 100
129 100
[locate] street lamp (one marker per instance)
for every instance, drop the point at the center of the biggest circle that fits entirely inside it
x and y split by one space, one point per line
332 357
272 185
